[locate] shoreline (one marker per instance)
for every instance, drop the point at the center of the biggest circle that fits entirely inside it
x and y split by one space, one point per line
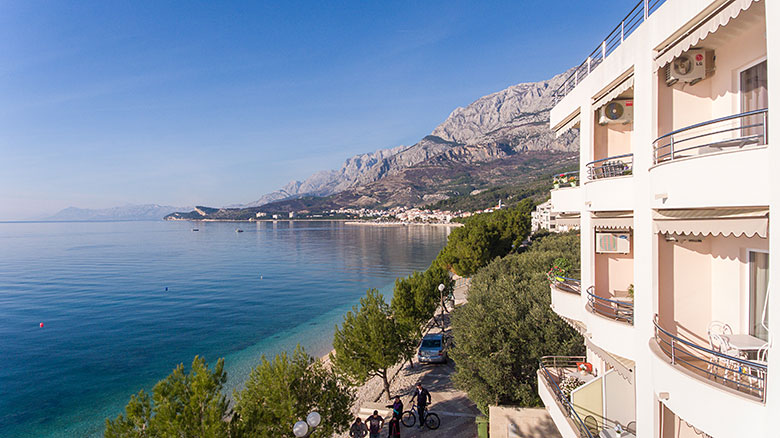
345 221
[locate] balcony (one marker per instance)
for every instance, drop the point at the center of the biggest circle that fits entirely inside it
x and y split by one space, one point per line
726 134
728 154
565 293
698 382
583 404
553 371
615 38
738 373
610 167
615 308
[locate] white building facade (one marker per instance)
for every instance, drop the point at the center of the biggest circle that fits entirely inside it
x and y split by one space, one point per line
676 203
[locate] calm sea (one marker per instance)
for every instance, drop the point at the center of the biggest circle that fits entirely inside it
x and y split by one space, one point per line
123 303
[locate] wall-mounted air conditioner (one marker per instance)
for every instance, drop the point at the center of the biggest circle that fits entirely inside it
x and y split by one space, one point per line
691 67
617 111
616 243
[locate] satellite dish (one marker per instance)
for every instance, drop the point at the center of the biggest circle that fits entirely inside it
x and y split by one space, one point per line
683 65
614 110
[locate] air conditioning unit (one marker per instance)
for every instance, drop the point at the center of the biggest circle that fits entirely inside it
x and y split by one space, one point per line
617 111
615 243
691 67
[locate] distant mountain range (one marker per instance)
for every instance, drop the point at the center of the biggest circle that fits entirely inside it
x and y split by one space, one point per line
502 138
143 212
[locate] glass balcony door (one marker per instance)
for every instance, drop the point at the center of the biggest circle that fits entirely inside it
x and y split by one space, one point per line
759 286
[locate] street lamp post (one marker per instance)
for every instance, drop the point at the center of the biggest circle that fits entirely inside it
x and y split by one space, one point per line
303 429
443 306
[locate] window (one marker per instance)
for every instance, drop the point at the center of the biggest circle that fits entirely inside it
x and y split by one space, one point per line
759 282
753 85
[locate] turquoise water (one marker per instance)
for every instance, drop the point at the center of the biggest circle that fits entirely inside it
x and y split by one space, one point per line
112 328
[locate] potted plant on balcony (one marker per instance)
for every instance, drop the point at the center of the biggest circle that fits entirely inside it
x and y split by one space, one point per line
569 384
631 290
573 180
557 181
559 270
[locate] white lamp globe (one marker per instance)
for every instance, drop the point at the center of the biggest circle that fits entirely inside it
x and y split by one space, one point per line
300 429
313 419
441 287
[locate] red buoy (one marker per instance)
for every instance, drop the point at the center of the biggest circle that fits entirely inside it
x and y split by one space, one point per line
41 325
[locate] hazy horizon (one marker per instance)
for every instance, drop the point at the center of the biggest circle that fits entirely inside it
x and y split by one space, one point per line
106 104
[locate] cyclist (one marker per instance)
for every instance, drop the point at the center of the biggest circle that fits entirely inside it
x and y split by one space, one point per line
423 398
398 407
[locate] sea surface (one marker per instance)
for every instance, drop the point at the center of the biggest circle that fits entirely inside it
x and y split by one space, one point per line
122 303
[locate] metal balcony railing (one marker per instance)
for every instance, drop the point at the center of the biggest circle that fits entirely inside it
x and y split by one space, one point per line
567 284
551 367
726 133
630 23
611 308
568 179
611 167
734 372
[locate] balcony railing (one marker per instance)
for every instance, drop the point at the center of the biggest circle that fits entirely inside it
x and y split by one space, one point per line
630 23
726 133
552 370
734 372
567 284
568 179
611 308
610 167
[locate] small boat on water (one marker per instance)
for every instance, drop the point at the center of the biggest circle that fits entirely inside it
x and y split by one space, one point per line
239 230
195 229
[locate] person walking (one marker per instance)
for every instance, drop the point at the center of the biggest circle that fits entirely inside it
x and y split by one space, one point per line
358 429
423 398
394 427
375 424
398 407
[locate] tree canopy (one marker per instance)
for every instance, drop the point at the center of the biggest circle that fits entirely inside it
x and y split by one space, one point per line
286 389
182 405
507 325
485 237
369 342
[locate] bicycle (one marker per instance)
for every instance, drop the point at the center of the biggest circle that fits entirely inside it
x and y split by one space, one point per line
431 420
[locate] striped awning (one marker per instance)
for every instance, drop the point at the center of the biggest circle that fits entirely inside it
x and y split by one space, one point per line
707 24
623 366
613 220
614 92
569 220
572 122
713 221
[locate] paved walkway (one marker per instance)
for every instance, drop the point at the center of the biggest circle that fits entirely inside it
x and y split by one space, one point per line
455 410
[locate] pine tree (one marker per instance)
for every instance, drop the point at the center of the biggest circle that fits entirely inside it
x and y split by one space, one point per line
285 390
183 405
369 342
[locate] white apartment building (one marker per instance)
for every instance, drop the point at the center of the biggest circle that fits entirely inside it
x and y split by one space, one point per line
677 199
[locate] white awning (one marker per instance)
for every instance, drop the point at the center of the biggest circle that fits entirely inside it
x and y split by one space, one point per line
568 220
623 366
715 221
615 220
614 92
709 24
573 122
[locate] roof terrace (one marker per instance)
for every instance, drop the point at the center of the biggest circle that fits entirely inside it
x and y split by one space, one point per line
630 23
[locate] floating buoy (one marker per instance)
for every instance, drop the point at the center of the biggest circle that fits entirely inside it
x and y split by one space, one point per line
166 289
41 325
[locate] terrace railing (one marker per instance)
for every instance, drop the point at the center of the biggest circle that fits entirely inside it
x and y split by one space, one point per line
610 308
627 26
551 368
567 284
735 372
726 133
611 167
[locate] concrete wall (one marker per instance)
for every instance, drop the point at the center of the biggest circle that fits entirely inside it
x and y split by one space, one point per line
588 400
514 422
611 139
619 399
614 272
704 281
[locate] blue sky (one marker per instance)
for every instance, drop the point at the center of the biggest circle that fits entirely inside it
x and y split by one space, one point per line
107 103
